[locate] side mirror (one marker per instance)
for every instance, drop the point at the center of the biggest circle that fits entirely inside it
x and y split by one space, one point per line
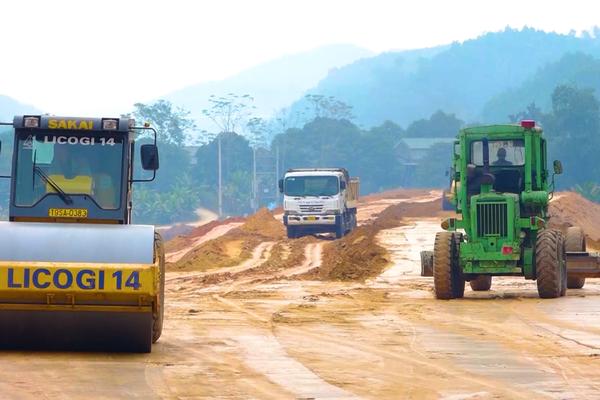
558 169
149 157
280 183
342 185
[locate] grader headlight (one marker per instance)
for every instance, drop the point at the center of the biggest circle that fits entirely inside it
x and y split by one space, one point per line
449 224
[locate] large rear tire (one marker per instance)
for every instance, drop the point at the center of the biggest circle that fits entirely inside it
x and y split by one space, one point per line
575 241
481 283
157 325
449 282
550 264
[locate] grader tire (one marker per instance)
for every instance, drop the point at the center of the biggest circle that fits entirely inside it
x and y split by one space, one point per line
158 318
550 264
481 283
427 263
563 283
448 279
575 241
460 286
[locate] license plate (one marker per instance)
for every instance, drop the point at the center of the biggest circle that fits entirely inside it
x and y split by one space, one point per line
68 212
311 218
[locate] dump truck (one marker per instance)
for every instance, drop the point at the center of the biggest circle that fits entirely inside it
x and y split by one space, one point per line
501 194
319 200
74 270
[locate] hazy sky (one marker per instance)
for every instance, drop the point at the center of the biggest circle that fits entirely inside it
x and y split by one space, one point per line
98 57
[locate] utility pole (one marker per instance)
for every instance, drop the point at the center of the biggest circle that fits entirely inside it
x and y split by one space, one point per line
277 175
254 182
220 178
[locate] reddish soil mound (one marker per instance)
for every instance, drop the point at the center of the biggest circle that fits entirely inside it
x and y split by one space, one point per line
184 240
392 216
264 224
571 209
395 194
357 256
175 230
233 247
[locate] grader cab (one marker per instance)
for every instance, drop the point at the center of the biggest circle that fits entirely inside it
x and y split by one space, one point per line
502 190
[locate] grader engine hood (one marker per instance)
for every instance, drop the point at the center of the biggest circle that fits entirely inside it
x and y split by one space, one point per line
76 263
494 220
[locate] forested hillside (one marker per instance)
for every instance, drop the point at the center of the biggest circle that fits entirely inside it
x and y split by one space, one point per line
460 78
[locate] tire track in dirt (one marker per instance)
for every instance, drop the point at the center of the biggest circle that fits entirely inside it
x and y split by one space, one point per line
510 325
313 253
402 360
265 354
260 254
404 244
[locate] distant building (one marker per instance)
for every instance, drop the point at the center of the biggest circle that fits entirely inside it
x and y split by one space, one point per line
417 151
418 147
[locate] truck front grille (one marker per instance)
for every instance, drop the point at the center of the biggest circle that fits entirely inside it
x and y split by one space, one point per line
492 219
311 208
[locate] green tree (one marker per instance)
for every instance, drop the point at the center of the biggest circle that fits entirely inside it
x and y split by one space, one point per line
328 107
573 129
229 112
236 158
171 196
439 124
172 123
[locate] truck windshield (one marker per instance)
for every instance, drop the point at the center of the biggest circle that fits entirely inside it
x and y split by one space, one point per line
311 186
501 152
63 164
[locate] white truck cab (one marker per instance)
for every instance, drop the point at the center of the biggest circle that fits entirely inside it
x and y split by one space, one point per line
319 200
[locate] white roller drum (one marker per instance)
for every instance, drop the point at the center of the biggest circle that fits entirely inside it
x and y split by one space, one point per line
52 242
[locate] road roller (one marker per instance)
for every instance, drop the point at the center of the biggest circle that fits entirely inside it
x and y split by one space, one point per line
74 271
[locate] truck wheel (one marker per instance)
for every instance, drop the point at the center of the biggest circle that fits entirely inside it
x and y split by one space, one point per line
159 317
340 229
481 283
427 263
448 279
550 264
292 232
575 241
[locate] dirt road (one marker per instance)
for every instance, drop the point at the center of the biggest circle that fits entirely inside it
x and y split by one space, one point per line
263 331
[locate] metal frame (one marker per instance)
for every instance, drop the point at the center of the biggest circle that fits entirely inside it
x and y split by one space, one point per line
140 128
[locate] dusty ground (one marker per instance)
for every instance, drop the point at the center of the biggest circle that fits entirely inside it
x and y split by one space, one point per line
274 326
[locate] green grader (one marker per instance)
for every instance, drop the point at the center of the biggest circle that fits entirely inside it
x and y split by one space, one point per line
501 188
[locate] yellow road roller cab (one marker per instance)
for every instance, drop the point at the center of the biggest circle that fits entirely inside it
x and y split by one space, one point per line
74 271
